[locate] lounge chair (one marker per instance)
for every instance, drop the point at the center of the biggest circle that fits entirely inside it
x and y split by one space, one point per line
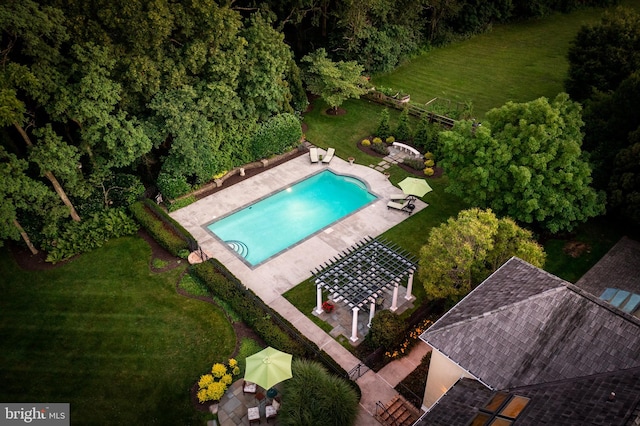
400 197
313 154
405 205
329 155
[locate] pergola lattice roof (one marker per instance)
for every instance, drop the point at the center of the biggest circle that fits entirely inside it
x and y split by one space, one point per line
365 270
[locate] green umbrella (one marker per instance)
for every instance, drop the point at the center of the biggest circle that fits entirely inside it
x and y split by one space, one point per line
268 367
414 186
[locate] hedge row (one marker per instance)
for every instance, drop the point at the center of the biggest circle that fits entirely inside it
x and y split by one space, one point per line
157 224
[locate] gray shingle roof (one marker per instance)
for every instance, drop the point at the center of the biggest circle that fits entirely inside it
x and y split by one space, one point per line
582 401
523 326
619 268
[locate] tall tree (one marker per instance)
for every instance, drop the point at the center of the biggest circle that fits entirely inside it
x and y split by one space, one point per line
465 250
525 162
603 55
334 82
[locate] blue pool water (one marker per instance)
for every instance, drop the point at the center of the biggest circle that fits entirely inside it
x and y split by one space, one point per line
271 225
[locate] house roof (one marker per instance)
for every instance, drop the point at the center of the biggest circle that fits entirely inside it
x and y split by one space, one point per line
523 326
585 400
619 268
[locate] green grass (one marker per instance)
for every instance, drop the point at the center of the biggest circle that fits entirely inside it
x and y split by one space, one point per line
108 336
518 62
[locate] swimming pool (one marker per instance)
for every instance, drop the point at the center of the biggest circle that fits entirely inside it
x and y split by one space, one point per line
271 225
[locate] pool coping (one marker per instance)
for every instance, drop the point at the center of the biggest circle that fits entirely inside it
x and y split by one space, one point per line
283 188
292 266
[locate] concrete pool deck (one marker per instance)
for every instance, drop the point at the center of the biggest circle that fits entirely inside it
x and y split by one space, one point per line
272 278
288 269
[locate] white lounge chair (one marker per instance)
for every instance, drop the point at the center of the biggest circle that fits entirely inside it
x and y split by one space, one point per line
400 197
313 154
405 205
329 155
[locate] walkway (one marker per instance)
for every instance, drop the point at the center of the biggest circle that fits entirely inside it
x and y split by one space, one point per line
274 277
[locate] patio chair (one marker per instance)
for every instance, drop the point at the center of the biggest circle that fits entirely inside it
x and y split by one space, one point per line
271 411
253 413
313 154
329 155
248 387
406 206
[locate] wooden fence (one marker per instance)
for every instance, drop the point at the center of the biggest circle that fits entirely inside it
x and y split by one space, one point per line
415 110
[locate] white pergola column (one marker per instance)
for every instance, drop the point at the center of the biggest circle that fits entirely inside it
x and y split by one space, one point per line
354 324
372 312
408 296
318 299
394 300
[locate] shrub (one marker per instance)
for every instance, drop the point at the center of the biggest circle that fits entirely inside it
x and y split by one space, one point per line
403 130
276 135
172 186
377 141
91 233
391 140
212 386
429 163
414 163
386 329
429 156
429 171
366 142
314 396
380 148
384 130
162 233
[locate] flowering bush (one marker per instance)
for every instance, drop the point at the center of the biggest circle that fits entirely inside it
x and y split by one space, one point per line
327 306
212 386
405 346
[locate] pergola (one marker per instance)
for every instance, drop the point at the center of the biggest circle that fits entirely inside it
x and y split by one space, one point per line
362 273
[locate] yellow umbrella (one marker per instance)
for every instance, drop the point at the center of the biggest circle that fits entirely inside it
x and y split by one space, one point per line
268 367
414 186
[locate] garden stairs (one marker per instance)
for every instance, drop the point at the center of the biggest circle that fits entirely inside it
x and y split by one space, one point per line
397 412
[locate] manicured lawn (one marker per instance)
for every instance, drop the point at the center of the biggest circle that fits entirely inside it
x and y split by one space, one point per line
108 336
518 62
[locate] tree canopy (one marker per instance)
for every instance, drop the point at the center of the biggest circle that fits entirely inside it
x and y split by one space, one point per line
525 162
463 251
334 82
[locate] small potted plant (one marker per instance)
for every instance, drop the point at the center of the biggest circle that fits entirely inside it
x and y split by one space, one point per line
328 306
351 160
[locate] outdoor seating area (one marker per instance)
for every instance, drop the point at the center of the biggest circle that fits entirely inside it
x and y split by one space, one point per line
239 408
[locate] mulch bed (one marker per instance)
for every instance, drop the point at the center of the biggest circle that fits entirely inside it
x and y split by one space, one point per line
437 170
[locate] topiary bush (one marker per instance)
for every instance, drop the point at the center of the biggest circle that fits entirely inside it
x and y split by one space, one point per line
390 140
429 156
366 142
377 141
314 396
429 163
429 171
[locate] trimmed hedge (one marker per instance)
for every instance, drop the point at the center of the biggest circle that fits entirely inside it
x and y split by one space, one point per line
276 135
161 227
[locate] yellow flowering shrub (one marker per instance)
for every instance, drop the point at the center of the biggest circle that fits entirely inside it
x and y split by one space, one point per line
366 142
377 141
218 370
429 163
212 386
428 171
205 380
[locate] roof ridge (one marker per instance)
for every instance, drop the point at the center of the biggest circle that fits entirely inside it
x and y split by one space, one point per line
572 379
503 307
